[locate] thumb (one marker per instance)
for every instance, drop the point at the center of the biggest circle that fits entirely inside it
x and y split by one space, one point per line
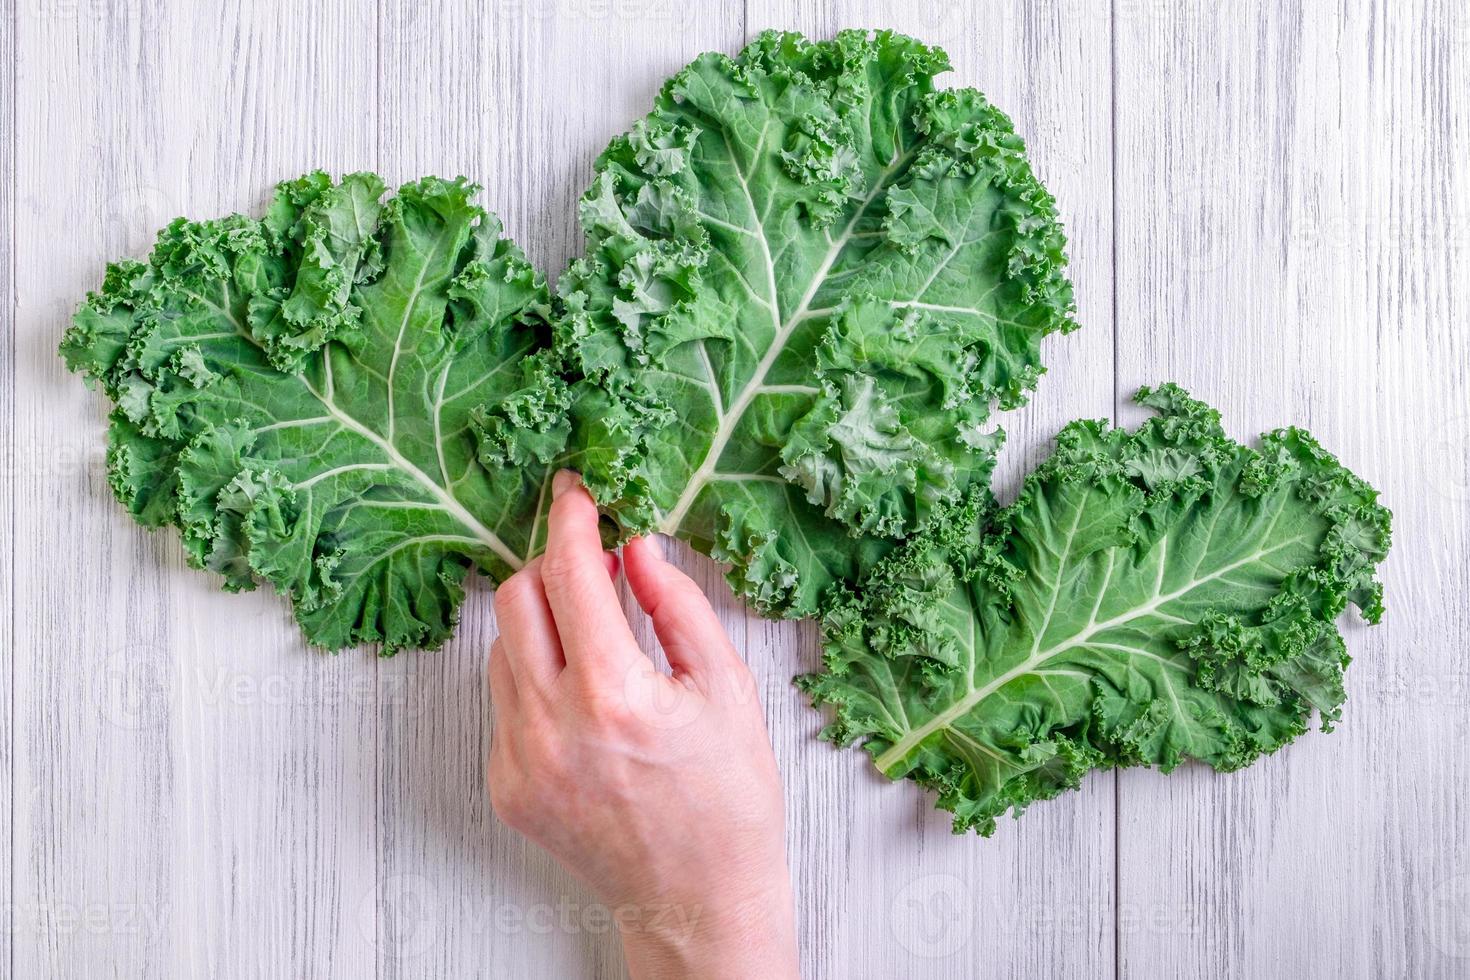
691 634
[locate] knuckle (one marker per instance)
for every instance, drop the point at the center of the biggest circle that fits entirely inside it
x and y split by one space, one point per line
688 590
685 595
610 711
740 681
687 604
559 569
739 673
550 775
512 592
608 708
508 804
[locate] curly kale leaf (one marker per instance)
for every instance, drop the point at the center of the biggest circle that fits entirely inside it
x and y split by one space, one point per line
809 278
1151 597
349 398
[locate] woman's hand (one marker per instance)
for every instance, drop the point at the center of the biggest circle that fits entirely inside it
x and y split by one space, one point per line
660 792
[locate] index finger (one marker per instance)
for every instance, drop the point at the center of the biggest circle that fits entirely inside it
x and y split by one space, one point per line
594 632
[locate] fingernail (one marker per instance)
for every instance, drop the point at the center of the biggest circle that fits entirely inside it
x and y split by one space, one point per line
562 482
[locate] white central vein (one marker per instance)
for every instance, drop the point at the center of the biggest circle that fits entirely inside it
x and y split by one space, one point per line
413 298
783 330
895 753
439 421
713 382
444 499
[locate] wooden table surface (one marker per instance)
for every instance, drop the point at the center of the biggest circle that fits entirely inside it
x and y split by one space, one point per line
1268 202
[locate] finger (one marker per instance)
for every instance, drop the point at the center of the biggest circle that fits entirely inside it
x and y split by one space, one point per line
503 693
594 633
691 634
528 630
610 559
505 708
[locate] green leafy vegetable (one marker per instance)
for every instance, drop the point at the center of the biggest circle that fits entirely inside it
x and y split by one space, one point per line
350 399
1151 597
810 276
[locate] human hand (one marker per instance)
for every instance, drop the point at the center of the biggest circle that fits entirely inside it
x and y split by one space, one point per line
659 792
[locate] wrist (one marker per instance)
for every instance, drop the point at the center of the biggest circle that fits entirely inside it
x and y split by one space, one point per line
725 936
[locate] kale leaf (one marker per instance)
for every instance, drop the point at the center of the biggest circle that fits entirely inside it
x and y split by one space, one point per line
1151 597
809 278
351 399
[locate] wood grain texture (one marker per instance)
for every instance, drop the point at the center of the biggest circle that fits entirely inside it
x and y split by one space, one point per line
198 789
1291 230
1273 200
7 480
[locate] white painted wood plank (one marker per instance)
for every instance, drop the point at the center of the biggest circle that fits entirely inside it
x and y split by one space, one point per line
7 480
883 887
197 786
522 97
93 831
1292 200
